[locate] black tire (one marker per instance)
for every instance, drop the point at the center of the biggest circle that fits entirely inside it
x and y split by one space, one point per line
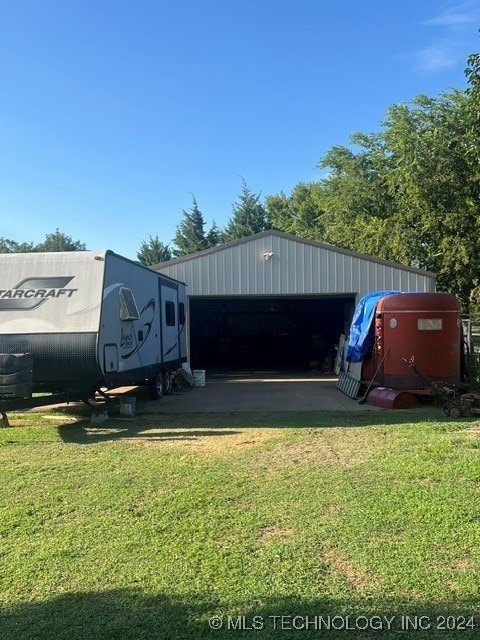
155 387
167 382
453 410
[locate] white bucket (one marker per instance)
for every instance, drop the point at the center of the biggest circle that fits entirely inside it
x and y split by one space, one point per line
199 377
127 405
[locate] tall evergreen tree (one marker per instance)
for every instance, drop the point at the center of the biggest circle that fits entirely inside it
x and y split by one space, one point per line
153 252
213 236
249 216
190 236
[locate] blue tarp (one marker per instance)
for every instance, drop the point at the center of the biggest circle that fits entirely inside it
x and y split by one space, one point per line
360 342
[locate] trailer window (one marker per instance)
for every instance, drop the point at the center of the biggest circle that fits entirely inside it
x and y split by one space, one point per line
128 307
169 314
181 313
429 324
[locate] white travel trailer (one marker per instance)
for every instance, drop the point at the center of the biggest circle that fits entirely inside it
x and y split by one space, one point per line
91 319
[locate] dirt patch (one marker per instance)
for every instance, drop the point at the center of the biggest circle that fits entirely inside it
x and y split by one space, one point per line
216 441
338 448
357 578
461 564
341 451
268 534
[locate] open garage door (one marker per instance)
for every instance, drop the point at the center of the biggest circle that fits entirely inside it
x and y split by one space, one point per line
274 333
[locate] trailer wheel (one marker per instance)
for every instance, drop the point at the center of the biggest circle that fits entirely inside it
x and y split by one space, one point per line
167 382
155 387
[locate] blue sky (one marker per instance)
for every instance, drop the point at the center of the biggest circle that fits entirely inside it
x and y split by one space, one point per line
113 113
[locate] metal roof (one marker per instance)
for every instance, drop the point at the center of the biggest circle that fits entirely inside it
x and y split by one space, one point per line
273 263
294 238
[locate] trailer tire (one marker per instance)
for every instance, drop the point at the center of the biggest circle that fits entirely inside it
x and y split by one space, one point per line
167 382
155 387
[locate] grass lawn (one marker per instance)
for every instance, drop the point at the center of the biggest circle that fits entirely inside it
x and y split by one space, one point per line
284 525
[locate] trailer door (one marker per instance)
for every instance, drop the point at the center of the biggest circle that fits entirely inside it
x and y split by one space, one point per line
170 342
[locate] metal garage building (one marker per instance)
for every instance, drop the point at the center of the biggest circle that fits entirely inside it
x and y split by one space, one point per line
274 300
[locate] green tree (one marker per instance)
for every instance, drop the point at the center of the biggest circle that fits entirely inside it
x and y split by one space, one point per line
280 212
409 193
153 252
53 242
357 207
10 246
249 216
190 236
473 108
59 242
437 193
301 213
472 73
213 236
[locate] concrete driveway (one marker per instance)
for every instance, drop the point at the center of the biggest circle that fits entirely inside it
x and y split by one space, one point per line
274 392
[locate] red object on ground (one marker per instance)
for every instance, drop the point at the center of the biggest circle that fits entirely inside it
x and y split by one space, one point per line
392 398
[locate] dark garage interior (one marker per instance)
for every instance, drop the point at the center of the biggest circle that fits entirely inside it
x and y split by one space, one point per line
274 333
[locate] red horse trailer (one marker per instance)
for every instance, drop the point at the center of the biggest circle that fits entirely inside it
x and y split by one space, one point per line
422 326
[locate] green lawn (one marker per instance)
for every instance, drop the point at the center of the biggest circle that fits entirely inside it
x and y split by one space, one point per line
283 524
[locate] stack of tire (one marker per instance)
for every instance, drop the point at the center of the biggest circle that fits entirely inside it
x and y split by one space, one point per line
16 375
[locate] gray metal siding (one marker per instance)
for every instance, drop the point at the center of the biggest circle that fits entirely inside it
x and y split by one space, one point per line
296 268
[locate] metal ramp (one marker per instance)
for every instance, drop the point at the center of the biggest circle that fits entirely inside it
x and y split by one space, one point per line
348 385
